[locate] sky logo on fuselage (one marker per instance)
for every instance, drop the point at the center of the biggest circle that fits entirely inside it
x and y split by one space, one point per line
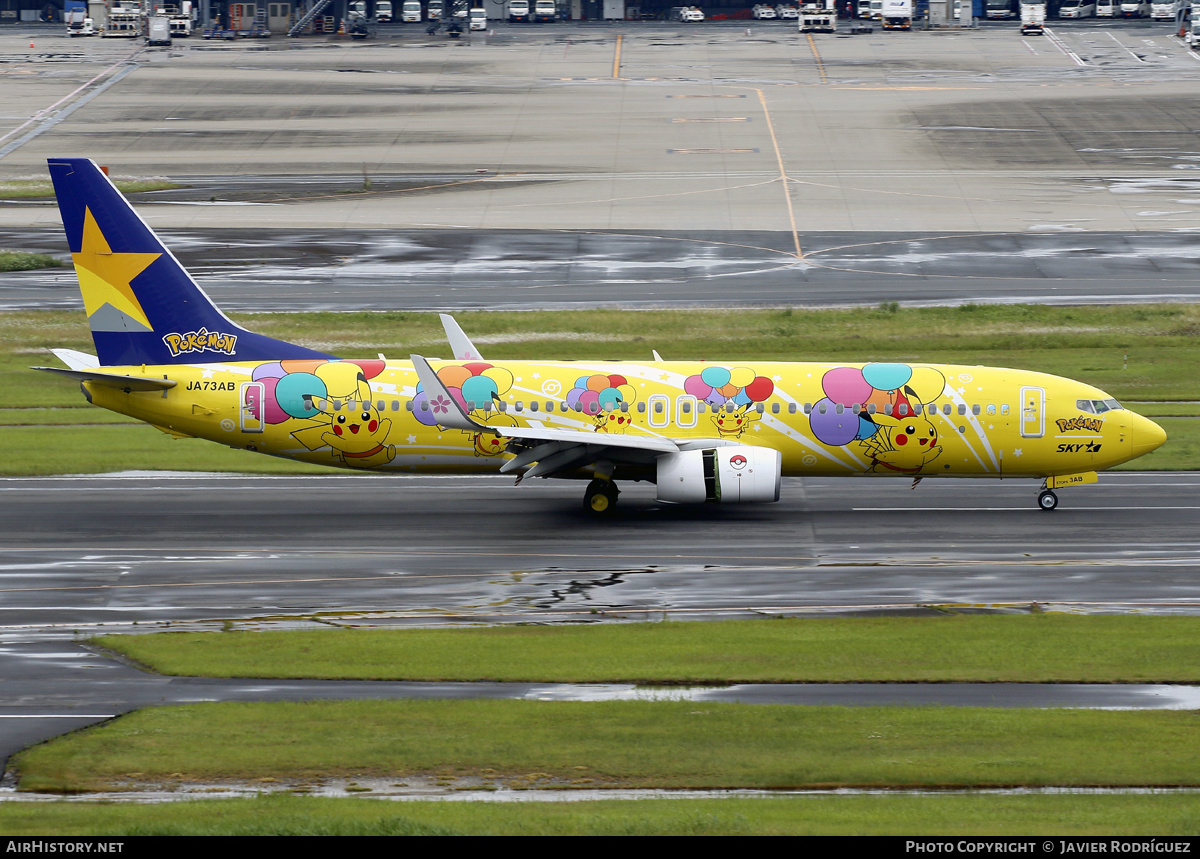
200 341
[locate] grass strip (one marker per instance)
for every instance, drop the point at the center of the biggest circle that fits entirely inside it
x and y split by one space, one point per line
25 189
1042 648
26 261
642 744
37 450
1061 815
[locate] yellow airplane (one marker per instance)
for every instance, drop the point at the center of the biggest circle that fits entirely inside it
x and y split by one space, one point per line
703 432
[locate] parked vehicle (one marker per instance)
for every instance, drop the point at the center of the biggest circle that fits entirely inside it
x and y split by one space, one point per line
518 11
896 14
478 18
763 12
79 24
999 9
545 11
1077 9
787 13
1162 11
685 14
1033 18
1107 8
158 30
410 12
1135 8
434 10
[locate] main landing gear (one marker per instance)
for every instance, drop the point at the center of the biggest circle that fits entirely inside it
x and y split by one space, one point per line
1047 500
600 499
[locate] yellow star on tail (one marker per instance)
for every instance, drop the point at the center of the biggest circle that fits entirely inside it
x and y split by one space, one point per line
104 276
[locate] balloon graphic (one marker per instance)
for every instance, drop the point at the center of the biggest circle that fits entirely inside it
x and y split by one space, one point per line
719 386
718 377
846 385
832 428
598 392
290 393
887 377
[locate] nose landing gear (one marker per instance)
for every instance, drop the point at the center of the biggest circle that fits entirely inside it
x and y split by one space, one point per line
1047 500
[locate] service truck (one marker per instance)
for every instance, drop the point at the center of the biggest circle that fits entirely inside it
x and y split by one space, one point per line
410 12
124 21
79 24
1107 8
817 16
434 10
896 14
1164 11
1135 8
999 9
544 11
1033 18
158 30
518 11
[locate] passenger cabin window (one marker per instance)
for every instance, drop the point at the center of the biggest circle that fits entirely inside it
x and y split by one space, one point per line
991 409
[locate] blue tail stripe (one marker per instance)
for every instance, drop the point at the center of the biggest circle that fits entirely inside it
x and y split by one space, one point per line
185 326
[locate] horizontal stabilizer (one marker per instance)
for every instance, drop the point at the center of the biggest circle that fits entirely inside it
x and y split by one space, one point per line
114 380
76 360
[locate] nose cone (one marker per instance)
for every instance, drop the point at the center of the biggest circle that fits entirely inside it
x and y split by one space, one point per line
1145 434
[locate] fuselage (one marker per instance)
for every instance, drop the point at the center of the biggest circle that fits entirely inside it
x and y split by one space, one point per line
838 419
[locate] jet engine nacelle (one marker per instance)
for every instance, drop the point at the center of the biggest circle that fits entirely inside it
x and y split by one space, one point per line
728 475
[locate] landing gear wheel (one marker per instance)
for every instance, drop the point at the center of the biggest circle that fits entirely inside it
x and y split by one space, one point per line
600 498
1047 500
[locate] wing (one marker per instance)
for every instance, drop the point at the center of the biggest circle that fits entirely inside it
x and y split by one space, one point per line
548 450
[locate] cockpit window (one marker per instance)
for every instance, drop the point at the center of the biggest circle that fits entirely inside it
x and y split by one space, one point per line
1097 407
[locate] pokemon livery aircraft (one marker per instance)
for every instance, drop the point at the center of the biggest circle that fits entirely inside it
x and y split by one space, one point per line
703 432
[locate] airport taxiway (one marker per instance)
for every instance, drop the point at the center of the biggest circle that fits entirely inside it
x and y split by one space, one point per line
142 553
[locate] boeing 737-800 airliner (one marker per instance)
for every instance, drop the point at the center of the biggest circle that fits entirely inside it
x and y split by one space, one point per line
723 432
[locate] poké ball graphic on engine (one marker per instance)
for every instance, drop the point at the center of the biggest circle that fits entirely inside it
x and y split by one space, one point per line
737 462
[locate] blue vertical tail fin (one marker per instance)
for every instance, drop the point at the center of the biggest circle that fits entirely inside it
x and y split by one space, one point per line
142 305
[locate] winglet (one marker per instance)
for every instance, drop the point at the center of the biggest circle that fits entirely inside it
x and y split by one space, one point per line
460 343
447 411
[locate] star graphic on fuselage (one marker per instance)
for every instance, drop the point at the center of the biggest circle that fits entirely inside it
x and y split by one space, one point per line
104 276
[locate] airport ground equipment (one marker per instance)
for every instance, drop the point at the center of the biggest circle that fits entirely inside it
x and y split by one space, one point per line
1033 18
817 16
896 14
